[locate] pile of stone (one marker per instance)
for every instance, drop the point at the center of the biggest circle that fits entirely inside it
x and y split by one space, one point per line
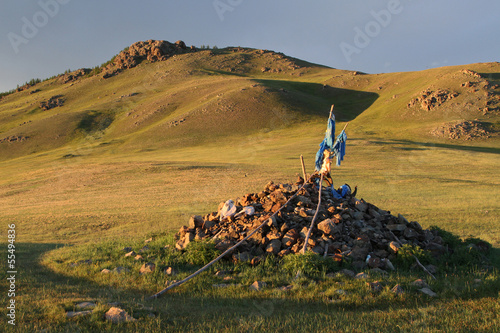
345 229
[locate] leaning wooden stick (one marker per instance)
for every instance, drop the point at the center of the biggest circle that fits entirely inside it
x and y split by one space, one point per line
303 167
204 268
304 249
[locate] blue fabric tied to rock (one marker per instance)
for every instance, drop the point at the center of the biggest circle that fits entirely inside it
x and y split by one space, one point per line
341 192
327 142
337 148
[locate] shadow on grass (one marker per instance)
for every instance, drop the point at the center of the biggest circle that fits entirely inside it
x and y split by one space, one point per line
193 306
315 99
404 145
34 276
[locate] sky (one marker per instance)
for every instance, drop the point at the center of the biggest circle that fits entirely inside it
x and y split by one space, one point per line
42 38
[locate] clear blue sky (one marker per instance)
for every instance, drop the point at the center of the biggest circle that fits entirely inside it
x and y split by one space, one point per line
41 38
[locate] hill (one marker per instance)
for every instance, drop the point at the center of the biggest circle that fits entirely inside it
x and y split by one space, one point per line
158 95
100 160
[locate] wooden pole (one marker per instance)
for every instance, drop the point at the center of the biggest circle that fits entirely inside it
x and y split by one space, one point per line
204 268
303 167
304 249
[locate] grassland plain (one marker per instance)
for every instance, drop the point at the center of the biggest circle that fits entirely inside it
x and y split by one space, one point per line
133 156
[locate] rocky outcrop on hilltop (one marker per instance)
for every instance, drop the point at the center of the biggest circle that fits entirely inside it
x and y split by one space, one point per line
73 76
151 50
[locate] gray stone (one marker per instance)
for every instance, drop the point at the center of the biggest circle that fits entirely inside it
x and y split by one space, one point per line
73 314
258 285
195 221
170 271
428 292
397 289
85 305
290 238
419 283
375 286
121 269
130 254
402 219
396 227
361 206
117 315
274 246
147 268
347 272
358 215
394 247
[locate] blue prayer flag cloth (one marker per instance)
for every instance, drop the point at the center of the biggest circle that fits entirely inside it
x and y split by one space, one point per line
337 148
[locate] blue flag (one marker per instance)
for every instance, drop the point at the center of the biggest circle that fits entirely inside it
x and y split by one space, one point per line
336 148
339 147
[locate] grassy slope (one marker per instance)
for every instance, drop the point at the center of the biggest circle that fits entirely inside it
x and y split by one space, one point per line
74 182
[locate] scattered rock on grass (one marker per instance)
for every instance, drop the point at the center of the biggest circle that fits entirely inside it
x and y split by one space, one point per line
121 269
375 286
73 314
85 305
130 254
397 289
117 315
170 271
419 283
147 268
361 276
258 285
428 292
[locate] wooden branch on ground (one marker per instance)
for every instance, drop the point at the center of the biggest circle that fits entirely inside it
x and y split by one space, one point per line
423 267
418 261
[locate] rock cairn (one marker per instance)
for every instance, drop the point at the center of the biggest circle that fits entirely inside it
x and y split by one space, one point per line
348 228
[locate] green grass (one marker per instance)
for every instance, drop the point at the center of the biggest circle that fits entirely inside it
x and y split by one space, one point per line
104 172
